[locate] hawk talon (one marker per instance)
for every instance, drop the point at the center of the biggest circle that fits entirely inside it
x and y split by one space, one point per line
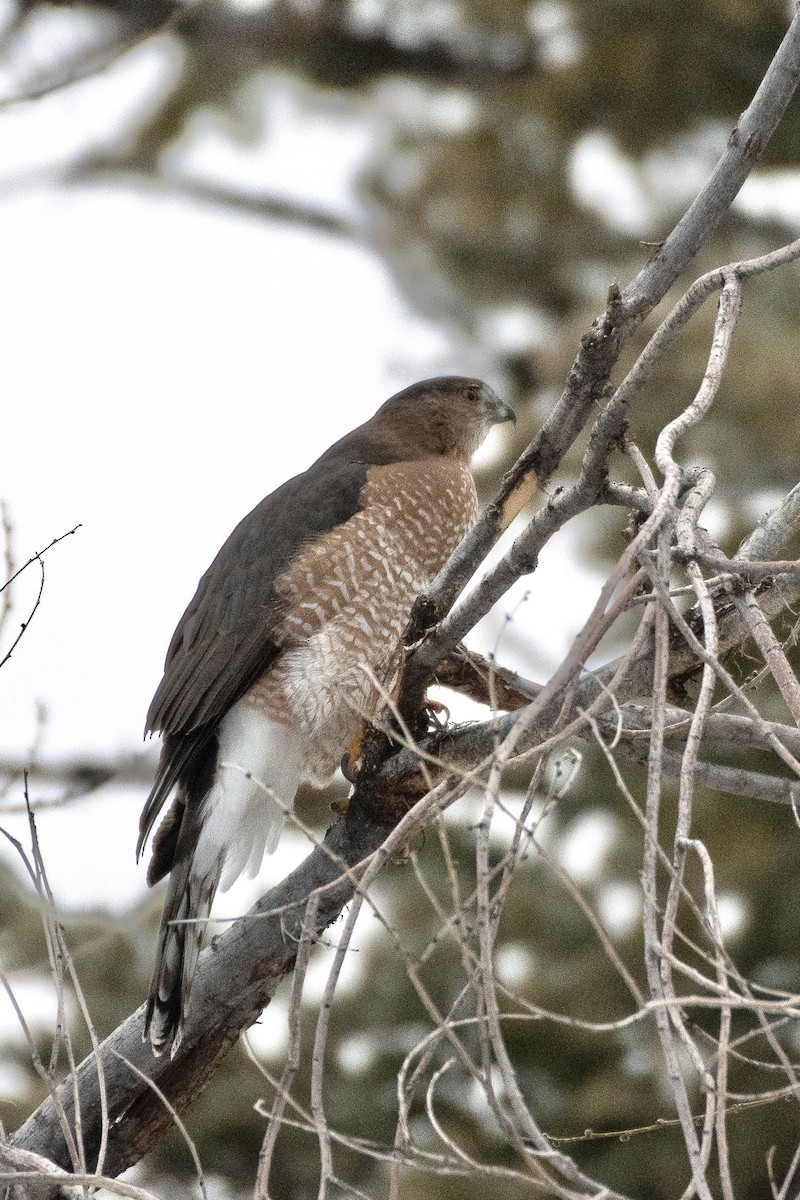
434 709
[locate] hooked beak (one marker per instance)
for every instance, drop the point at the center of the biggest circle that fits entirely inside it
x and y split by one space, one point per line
496 410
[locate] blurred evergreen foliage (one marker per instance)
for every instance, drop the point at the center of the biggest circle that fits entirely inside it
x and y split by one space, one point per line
486 122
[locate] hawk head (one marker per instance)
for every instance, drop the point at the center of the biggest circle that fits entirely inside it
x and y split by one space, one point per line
449 415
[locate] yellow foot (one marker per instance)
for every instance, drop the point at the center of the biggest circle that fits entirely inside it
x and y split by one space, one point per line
351 759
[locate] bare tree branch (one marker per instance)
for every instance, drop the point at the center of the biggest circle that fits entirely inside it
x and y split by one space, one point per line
217 195
314 39
774 531
87 62
258 951
38 557
600 349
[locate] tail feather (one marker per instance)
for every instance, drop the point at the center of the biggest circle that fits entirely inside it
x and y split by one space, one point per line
190 895
221 822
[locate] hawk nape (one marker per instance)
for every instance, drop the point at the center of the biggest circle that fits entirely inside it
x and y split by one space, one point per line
292 638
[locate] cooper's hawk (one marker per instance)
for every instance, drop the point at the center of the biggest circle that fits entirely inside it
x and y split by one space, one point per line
289 643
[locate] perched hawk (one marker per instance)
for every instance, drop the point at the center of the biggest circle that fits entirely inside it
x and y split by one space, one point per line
292 634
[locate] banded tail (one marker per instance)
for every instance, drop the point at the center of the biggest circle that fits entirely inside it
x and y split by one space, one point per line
190 894
221 823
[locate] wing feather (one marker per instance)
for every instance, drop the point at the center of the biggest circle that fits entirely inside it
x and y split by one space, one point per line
229 634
